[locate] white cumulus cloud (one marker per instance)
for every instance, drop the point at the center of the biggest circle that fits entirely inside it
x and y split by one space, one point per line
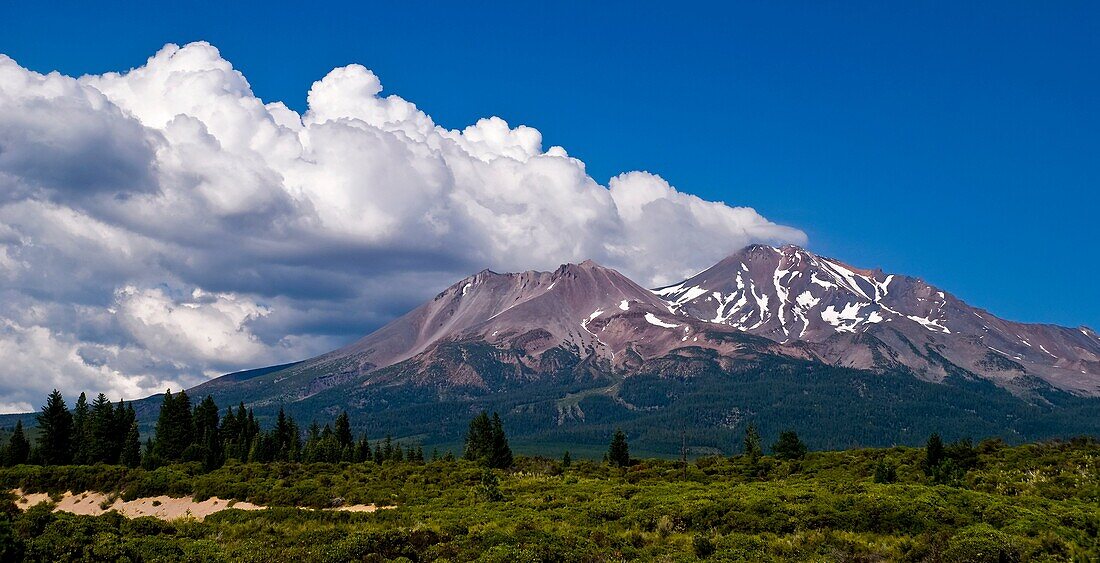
162 225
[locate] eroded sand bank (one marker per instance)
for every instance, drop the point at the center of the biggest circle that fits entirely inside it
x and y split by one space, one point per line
163 507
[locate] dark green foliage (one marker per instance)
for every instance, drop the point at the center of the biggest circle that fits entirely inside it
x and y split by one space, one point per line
933 454
500 453
487 443
885 472
100 433
789 446
948 464
55 426
239 430
175 430
18 449
618 452
343 430
702 545
566 459
322 446
207 446
82 439
479 438
490 486
962 453
131 447
363 450
752 445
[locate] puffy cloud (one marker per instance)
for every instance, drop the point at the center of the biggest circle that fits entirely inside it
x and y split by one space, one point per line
163 225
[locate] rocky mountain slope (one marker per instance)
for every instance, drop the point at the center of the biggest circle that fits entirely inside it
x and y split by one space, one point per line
871 320
491 332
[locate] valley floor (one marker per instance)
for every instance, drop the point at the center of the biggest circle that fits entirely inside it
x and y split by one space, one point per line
1035 502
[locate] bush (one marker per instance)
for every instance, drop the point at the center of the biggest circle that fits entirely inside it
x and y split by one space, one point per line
981 544
702 545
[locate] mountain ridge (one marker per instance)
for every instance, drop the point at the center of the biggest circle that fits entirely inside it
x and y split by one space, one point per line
773 291
568 355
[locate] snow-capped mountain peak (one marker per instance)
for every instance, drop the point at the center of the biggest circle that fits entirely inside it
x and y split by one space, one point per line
790 294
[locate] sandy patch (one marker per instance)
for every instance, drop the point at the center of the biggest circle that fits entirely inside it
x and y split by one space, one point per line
163 507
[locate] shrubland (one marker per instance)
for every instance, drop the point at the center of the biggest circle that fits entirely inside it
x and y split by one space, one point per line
986 502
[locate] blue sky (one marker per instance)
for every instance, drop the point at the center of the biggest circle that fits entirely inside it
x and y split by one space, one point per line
958 142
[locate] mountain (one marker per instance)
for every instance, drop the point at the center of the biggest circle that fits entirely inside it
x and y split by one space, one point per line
779 337
871 320
495 332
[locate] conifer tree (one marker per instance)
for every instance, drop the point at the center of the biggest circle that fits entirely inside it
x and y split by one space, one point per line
122 421
479 439
933 454
789 446
81 436
379 453
175 428
566 459
18 450
362 450
618 453
208 434
752 443
500 451
343 430
282 436
229 431
55 424
130 456
99 431
387 448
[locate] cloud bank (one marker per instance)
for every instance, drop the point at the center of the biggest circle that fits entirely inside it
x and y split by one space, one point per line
164 225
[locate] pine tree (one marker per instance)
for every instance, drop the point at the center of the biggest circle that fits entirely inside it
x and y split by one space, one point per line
343 430
130 456
752 444
282 436
362 450
18 450
885 472
55 424
934 454
789 446
175 427
500 456
379 453
100 431
229 431
479 439
618 453
124 416
208 434
81 436
566 459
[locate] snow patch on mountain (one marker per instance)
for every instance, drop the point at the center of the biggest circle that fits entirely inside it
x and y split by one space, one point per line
656 321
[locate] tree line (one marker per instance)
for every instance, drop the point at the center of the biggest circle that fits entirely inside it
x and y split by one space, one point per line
99 432
102 432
